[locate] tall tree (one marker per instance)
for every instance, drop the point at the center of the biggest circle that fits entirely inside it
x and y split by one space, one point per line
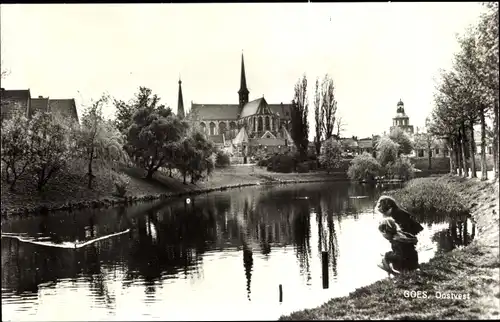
488 68
318 118
16 148
299 112
97 140
154 133
49 147
340 126
328 106
450 86
124 115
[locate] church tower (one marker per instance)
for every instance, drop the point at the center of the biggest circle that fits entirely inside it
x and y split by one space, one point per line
243 92
180 103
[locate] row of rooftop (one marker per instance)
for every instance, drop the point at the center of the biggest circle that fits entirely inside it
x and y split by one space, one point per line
21 101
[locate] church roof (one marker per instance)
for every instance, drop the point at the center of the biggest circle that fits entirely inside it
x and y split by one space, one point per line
251 108
216 111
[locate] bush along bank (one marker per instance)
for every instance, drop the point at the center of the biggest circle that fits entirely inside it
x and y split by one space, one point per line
461 284
107 202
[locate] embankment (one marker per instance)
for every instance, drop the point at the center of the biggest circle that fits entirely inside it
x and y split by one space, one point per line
71 193
472 270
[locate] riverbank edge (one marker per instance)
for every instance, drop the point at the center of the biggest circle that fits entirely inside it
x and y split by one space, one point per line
464 266
112 201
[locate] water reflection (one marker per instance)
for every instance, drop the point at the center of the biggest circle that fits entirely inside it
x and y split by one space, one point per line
456 235
180 255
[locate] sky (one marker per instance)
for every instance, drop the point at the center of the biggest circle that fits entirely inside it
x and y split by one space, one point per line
376 53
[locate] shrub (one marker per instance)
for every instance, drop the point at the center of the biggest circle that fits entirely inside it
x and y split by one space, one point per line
402 169
331 157
121 182
281 163
387 151
303 167
221 159
425 196
263 162
364 167
313 165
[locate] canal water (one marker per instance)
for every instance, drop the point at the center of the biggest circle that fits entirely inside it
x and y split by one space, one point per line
217 256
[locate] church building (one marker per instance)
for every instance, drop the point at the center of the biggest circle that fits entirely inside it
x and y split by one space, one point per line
244 127
402 120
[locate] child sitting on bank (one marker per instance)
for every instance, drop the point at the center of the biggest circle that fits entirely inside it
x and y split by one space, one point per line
404 256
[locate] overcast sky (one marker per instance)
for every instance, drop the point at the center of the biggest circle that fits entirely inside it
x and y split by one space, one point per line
376 53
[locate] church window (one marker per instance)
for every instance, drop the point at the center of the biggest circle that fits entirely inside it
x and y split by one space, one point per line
222 128
203 127
212 128
268 127
259 124
232 125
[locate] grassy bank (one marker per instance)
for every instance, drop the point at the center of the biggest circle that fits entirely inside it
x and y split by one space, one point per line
69 191
474 269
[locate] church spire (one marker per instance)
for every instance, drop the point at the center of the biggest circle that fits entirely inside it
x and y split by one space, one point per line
243 92
180 102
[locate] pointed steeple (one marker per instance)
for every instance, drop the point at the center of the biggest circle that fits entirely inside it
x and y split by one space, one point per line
180 102
243 92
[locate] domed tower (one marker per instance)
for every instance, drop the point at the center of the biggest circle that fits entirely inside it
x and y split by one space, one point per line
402 120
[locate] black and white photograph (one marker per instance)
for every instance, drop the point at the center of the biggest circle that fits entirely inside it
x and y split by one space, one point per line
250 161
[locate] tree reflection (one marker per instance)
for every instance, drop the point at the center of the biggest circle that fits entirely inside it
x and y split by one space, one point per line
169 239
455 235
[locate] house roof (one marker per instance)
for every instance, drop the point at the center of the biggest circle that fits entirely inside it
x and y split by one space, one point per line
19 94
215 111
350 142
266 141
365 143
38 105
241 137
64 107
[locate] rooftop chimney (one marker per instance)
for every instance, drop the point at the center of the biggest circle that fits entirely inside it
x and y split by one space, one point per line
40 96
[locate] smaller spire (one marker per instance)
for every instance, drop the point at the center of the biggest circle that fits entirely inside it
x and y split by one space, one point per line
180 101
